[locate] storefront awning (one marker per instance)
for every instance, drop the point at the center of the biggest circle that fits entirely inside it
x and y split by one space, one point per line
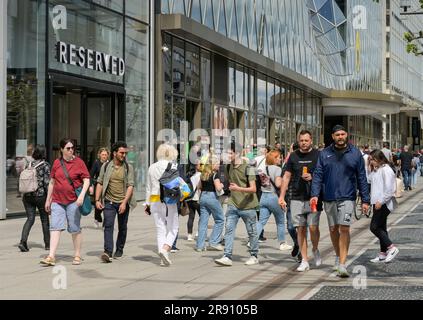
353 103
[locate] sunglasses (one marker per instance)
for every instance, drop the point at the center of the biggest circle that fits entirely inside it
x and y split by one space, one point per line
70 148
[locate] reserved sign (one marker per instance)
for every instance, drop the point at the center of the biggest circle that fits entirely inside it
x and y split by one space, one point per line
89 59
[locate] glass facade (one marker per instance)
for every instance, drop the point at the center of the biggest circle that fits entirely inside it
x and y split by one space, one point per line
117 29
320 39
266 110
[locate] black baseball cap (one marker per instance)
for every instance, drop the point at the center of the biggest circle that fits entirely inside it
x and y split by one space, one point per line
338 127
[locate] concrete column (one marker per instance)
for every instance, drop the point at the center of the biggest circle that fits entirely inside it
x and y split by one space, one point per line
3 105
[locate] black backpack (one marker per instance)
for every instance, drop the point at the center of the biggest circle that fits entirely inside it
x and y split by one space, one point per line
170 192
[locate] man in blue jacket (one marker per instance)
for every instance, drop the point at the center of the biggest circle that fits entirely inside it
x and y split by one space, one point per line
339 171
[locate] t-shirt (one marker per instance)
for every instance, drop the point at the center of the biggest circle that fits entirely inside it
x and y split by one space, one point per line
266 184
63 192
116 188
208 186
239 176
406 158
387 153
301 189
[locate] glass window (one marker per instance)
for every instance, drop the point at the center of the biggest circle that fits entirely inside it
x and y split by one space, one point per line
178 66
167 63
196 10
270 97
206 85
178 113
192 65
116 5
138 9
25 90
97 37
231 83
137 100
261 94
240 87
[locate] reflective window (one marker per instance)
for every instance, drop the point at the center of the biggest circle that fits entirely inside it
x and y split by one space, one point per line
25 91
261 94
116 5
196 10
167 62
206 75
137 100
138 9
241 87
178 113
231 83
178 66
192 64
270 97
92 28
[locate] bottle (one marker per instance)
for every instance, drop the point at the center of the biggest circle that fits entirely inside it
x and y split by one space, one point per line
313 206
305 170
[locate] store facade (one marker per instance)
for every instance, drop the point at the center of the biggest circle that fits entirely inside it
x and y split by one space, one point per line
78 69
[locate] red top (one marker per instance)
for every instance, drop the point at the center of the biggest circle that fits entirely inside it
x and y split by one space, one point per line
63 192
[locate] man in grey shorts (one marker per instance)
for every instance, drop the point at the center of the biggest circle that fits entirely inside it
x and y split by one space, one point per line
339 171
299 169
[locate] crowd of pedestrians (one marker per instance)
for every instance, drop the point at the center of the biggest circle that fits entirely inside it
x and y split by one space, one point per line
294 187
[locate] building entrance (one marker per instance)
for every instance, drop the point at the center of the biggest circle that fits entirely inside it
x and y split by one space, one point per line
91 116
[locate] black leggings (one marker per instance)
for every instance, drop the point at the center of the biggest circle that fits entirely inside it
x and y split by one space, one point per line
378 227
32 203
193 206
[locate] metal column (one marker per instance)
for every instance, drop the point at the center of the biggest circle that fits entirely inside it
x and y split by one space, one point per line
3 105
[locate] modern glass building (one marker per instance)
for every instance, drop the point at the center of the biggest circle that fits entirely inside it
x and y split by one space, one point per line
78 69
150 71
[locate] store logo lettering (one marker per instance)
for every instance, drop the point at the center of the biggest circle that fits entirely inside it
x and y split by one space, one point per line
60 19
90 59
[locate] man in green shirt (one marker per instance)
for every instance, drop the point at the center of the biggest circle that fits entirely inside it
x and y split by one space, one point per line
115 185
242 203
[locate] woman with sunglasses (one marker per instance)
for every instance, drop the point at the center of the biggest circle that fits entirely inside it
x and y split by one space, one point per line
382 196
68 173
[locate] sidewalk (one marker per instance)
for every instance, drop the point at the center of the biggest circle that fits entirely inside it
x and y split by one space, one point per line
137 275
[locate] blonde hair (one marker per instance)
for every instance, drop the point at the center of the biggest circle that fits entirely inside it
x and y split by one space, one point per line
102 150
167 152
207 170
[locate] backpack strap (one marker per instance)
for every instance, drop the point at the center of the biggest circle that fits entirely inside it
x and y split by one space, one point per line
66 173
42 162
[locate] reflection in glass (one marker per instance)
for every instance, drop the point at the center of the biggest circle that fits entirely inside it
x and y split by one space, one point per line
192 64
138 9
178 66
261 94
137 99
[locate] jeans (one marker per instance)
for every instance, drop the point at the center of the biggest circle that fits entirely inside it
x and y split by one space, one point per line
378 227
413 177
407 177
110 212
31 203
269 203
194 206
209 204
250 220
291 229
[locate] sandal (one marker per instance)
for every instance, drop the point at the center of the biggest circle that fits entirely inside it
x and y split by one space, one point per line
77 260
48 261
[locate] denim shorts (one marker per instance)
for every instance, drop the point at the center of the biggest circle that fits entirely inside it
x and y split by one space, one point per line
60 214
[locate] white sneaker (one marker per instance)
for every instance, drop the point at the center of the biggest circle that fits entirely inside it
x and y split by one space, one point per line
391 254
162 264
190 237
342 271
336 265
196 234
304 266
248 244
381 257
97 224
165 257
317 258
224 261
252 261
284 246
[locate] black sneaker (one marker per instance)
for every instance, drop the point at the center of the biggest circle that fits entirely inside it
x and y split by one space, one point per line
262 239
295 250
23 247
118 254
47 248
106 257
